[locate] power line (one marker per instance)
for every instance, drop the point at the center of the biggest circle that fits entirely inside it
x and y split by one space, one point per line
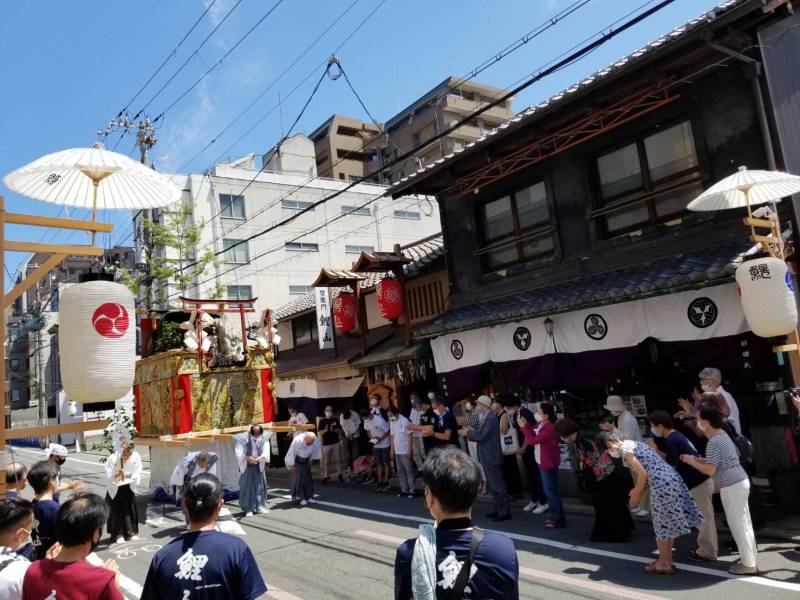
572 57
544 26
299 85
168 57
269 87
188 60
219 62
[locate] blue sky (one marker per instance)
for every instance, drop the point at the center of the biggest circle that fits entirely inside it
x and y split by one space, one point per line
69 67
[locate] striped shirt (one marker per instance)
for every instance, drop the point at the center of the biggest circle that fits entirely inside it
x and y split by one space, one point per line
722 453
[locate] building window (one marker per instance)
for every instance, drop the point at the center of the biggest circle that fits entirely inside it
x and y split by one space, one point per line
407 214
239 292
356 210
302 247
14 364
300 290
15 395
515 228
236 252
358 249
417 140
649 180
296 204
304 329
231 207
355 178
342 176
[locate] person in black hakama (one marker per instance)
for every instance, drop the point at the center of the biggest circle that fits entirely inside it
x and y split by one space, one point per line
302 451
122 483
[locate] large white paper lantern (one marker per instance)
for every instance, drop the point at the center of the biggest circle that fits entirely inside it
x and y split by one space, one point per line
765 287
97 341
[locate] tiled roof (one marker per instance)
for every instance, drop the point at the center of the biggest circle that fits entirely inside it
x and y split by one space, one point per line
423 255
698 269
522 118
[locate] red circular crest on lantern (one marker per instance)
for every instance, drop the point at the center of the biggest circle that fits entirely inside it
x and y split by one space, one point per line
390 299
344 312
110 320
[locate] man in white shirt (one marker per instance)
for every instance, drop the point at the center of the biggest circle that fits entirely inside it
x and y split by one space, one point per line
190 466
378 431
627 428
350 422
252 449
711 381
297 418
401 451
16 525
418 409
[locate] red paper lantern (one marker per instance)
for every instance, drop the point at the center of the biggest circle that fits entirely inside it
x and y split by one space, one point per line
390 299
344 312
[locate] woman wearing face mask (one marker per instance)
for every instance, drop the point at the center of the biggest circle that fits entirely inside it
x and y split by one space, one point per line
472 419
609 488
673 510
547 441
510 443
722 464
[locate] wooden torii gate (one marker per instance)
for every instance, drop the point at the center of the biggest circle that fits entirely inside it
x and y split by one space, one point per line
57 252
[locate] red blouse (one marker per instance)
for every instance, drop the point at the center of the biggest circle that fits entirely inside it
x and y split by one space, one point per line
548 442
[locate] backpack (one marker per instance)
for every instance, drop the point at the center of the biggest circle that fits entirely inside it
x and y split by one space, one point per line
745 449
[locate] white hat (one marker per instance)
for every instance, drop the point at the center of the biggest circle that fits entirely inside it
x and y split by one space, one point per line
485 400
614 403
56 450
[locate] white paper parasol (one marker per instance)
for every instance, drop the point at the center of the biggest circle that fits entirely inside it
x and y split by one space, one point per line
93 178
746 188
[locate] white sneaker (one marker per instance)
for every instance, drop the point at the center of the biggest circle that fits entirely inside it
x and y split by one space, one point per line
530 506
312 501
643 513
135 538
541 509
303 503
262 510
119 540
249 513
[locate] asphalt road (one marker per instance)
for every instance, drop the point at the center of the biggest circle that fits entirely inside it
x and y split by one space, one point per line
343 547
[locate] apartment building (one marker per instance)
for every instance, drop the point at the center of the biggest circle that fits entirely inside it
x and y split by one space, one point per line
339 147
350 149
281 265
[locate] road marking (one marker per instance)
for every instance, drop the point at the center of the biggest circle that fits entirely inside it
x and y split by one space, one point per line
125 582
75 460
758 580
227 524
538 574
279 594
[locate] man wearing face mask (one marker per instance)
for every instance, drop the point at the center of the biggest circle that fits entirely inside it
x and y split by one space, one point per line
16 525
445 428
57 454
330 432
297 418
627 428
79 527
421 414
711 381
252 451
490 456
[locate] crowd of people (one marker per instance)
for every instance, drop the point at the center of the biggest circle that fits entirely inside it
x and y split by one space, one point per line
669 475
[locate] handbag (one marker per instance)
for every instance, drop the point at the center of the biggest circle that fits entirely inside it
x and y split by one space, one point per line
509 441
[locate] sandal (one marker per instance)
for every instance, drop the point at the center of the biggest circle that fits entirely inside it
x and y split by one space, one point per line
653 569
553 525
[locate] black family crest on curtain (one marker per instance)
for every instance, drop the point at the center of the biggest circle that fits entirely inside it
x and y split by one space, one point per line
522 338
457 349
702 312
595 327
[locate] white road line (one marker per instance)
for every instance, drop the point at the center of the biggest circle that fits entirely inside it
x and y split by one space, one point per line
227 524
125 582
539 575
764 581
278 594
75 460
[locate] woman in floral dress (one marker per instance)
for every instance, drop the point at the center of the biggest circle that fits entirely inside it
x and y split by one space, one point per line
673 510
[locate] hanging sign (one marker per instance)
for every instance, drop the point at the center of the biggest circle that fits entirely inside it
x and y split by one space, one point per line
324 324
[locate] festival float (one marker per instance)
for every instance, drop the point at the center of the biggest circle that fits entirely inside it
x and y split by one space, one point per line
217 383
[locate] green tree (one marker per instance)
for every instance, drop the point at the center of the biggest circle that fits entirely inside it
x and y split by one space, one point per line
172 260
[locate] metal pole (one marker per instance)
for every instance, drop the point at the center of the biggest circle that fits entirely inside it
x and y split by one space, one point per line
3 356
40 389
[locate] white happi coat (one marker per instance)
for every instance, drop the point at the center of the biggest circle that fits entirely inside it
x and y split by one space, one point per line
260 448
132 468
299 448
